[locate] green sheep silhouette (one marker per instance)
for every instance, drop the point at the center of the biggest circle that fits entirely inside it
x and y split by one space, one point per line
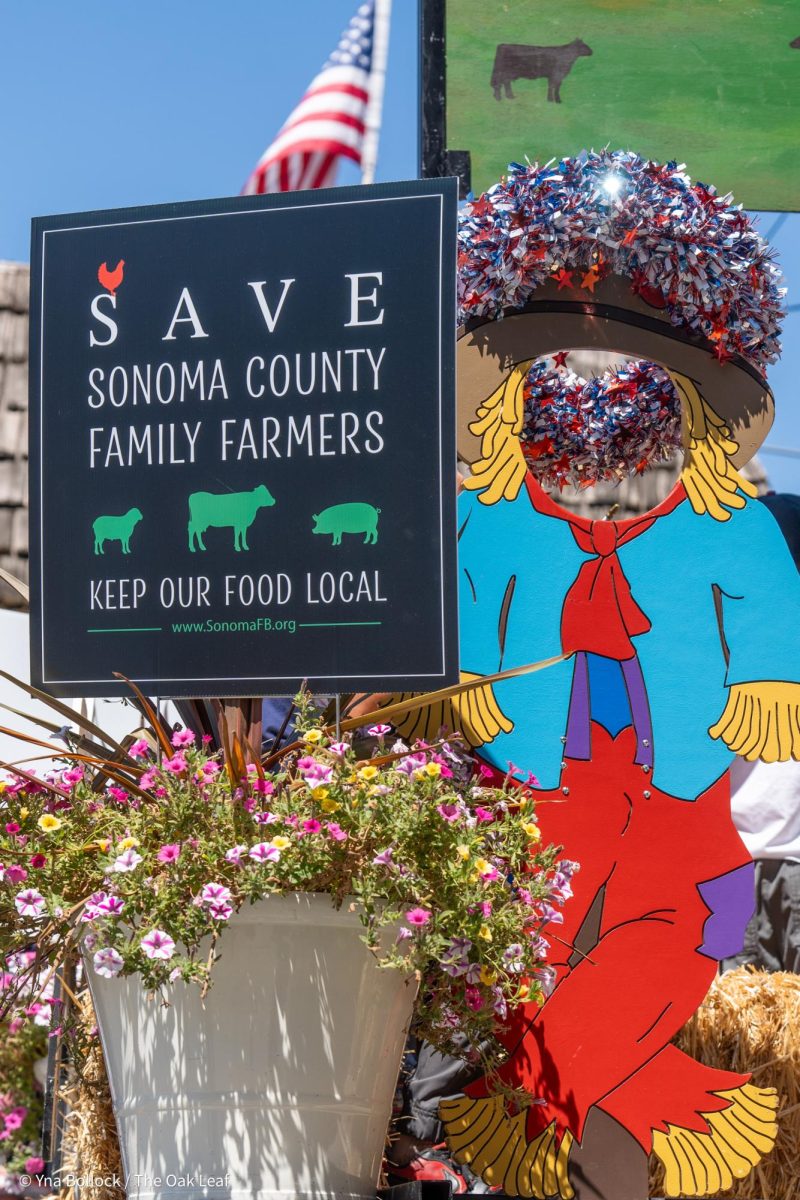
116 529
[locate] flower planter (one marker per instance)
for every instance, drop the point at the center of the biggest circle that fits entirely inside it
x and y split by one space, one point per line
280 1083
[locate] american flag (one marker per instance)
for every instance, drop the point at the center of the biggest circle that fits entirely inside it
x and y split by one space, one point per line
331 120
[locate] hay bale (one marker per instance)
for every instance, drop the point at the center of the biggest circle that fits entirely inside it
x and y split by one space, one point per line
750 1021
91 1143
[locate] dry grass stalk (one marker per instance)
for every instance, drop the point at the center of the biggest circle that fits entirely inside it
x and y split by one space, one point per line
750 1021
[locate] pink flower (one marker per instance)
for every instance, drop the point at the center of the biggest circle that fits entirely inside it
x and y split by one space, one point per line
265 817
450 812
489 875
379 731
13 827
34 1166
485 772
319 775
418 917
148 778
29 903
262 852
175 765
37 861
158 944
169 853
305 763
16 874
339 748
110 906
127 861
474 998
107 962
210 769
72 776
15 1118
215 893
483 814
383 858
220 910
182 737
119 794
336 832
486 908
206 739
404 934
264 787
311 826
139 749
234 855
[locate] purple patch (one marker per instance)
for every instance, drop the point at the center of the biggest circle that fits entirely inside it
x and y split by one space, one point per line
731 902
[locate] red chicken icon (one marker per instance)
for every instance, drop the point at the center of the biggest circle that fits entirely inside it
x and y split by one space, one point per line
111 279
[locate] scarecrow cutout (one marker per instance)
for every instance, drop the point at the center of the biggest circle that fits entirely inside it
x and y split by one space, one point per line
679 630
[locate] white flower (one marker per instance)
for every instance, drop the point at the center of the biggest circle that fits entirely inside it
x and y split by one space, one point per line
127 861
158 944
107 962
29 903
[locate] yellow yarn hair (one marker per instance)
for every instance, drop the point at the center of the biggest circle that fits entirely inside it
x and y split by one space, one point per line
713 485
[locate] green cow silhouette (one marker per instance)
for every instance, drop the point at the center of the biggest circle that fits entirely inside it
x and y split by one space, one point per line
348 518
115 529
208 510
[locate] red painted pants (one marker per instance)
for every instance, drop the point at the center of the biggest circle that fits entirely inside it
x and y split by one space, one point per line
602 1038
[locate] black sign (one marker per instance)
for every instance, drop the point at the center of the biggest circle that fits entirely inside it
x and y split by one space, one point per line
242 444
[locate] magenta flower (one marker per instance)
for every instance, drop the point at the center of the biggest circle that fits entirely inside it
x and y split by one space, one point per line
262 852
34 1166
110 906
12 827
127 861
264 787
489 875
336 832
319 775
220 910
483 814
339 748
485 772
210 769
486 908
206 739
139 749
15 1118
473 998
15 874
169 853
215 893
383 858
312 826
182 737
158 944
37 861
148 778
29 903
418 917
265 818
379 731
450 812
175 765
107 962
234 855
72 776
119 794
305 763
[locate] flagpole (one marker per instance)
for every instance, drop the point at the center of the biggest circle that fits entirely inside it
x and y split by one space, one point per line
372 121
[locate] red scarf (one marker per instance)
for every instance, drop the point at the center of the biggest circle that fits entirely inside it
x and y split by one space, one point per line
600 615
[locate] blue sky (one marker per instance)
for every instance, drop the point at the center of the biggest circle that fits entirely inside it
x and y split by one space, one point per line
112 103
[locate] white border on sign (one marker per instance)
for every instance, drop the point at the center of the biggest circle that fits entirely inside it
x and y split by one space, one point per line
244 213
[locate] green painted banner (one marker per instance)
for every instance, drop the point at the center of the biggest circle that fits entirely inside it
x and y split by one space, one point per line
712 83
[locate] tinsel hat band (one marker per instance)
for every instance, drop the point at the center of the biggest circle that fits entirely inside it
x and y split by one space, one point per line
610 252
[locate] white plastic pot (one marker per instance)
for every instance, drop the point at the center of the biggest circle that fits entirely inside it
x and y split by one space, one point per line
279 1085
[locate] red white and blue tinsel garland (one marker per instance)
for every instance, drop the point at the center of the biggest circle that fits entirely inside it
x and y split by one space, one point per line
606 428
685 249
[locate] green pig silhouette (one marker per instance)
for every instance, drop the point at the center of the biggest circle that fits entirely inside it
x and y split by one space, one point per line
348 518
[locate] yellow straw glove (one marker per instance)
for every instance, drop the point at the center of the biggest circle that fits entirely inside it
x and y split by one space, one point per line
761 720
474 713
712 483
